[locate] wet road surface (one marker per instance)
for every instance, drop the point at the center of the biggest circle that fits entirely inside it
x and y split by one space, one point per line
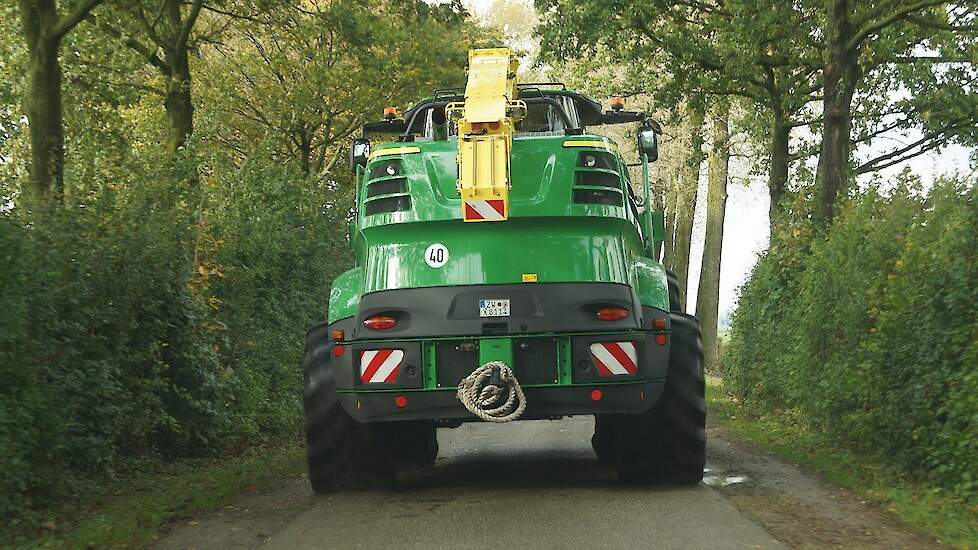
532 484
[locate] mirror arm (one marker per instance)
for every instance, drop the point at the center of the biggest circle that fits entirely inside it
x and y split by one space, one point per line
647 212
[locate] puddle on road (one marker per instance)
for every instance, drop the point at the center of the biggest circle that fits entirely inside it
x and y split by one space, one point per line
724 481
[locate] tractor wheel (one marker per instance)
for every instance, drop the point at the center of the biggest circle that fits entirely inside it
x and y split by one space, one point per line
413 444
675 298
603 440
667 444
341 452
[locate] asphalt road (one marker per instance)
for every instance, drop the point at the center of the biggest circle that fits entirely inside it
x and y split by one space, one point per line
533 484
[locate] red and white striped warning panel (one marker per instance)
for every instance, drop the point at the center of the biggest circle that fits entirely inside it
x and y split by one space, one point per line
615 358
485 210
380 365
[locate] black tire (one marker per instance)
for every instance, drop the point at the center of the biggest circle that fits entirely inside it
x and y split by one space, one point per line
603 440
667 444
341 453
675 298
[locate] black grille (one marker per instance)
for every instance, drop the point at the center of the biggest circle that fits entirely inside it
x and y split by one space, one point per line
603 179
454 360
595 159
381 170
387 187
535 360
390 204
591 196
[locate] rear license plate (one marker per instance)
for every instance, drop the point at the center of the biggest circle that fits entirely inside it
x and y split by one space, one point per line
494 308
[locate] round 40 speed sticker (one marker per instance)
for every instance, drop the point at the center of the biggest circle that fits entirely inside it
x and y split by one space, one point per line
436 255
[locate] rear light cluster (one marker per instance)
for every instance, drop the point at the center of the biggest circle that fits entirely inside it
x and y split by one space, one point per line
612 314
380 322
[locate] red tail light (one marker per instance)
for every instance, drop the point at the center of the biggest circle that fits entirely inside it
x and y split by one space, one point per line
380 322
612 313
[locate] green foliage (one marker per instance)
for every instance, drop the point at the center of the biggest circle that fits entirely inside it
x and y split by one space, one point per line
159 312
871 332
157 318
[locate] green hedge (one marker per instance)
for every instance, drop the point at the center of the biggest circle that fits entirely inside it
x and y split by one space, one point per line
161 315
870 331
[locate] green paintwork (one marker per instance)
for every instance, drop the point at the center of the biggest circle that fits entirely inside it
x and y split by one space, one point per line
547 233
496 349
344 294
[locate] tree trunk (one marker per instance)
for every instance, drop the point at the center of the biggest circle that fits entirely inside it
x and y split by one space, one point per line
44 113
686 197
778 177
43 31
839 79
708 295
178 102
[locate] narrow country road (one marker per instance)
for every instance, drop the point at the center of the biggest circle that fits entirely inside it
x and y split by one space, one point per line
537 484
532 484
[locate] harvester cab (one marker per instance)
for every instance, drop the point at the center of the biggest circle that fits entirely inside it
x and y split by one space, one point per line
555 307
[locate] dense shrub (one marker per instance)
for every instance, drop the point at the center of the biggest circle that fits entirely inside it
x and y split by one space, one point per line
160 315
871 330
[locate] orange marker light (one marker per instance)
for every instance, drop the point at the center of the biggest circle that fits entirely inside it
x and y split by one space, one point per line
617 103
390 113
337 335
659 324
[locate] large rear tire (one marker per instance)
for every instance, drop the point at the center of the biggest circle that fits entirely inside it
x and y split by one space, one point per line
341 453
667 444
675 297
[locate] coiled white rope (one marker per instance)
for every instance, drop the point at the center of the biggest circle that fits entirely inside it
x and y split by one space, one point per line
492 402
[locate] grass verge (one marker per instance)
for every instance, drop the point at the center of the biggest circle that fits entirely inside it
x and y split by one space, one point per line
131 514
927 509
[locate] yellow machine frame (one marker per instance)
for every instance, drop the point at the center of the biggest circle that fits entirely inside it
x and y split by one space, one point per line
486 120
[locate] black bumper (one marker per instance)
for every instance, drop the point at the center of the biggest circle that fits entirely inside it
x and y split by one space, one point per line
550 402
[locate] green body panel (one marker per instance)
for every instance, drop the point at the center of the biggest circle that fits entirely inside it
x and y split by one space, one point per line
344 294
496 349
547 234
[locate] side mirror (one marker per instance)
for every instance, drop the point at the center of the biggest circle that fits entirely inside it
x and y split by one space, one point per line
359 152
648 140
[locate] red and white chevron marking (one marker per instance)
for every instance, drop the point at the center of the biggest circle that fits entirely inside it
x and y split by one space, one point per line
615 358
489 210
380 365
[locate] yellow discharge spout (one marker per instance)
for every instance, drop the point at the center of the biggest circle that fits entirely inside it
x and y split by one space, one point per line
485 134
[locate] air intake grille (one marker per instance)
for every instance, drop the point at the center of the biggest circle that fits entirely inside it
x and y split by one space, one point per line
388 204
595 196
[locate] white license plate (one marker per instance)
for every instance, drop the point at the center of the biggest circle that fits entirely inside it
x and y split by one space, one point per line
493 308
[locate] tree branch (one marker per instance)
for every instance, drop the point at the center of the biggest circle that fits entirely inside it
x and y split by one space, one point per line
874 26
180 43
69 21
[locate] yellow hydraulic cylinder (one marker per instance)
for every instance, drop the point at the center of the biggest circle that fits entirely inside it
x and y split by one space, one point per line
485 134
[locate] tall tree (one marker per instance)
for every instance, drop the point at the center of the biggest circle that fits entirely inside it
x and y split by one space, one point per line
43 29
863 38
708 294
302 80
688 180
160 32
756 49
